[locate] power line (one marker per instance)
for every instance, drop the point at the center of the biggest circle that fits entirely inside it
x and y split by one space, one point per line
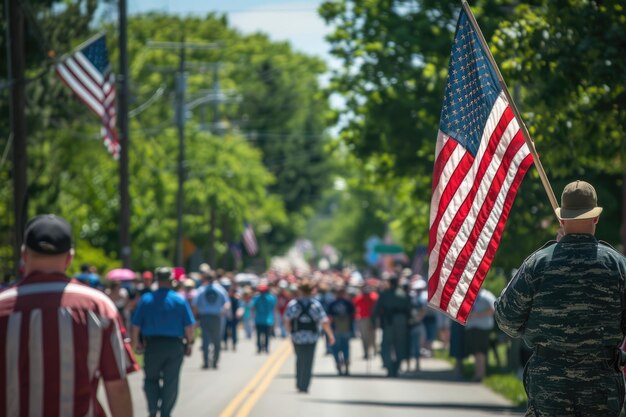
157 95
6 151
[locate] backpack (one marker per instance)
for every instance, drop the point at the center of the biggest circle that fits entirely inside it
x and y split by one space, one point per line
304 321
211 295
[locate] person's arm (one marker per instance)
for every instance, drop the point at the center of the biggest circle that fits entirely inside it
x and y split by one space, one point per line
287 324
118 396
136 342
513 306
189 335
375 312
329 332
287 317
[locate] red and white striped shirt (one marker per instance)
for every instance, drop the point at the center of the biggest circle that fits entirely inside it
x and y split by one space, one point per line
60 337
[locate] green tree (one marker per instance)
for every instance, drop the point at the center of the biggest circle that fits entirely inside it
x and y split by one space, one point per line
562 59
229 178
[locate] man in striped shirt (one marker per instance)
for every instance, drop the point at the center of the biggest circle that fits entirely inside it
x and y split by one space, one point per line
60 337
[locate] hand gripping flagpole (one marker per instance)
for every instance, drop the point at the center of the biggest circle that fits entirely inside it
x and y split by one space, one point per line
527 138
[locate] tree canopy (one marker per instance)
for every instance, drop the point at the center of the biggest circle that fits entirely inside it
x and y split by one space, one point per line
561 59
255 129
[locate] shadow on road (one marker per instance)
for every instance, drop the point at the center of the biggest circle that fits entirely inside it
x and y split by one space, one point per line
450 406
443 376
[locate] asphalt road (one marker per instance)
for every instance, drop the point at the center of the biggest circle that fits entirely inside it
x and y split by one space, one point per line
248 384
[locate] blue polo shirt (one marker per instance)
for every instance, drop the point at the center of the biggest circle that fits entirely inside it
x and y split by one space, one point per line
88 278
163 313
210 299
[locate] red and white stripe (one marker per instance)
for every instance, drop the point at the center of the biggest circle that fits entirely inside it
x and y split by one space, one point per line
249 241
96 90
471 200
60 339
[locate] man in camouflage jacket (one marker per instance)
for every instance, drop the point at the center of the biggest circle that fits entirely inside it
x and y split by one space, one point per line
566 302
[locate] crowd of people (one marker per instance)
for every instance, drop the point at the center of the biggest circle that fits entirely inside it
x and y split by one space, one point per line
63 336
278 305
165 310
221 305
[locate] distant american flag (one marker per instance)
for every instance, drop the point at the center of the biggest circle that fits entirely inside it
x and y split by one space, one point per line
88 73
249 240
480 161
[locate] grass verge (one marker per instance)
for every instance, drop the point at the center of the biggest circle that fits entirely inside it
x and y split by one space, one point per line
499 379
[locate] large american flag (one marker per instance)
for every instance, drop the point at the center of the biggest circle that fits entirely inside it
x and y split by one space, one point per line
88 73
480 161
249 240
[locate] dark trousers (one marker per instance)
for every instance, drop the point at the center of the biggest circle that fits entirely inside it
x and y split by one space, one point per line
162 360
263 337
211 326
304 365
341 348
231 330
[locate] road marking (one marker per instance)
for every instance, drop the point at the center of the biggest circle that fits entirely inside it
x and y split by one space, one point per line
279 356
263 385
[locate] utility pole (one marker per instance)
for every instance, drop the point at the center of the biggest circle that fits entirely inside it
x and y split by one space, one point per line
217 129
125 250
16 64
180 115
181 84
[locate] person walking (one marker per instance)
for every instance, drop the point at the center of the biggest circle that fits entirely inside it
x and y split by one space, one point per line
166 324
341 312
393 308
364 305
210 305
263 306
478 331
59 337
247 318
566 302
234 315
303 317
419 304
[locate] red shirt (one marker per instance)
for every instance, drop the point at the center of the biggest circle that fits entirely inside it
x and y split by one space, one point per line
282 302
60 337
364 304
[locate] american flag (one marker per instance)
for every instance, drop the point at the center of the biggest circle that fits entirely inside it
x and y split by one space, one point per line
480 161
88 73
249 240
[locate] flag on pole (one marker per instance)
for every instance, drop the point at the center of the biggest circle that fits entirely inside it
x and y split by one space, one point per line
87 72
249 240
480 160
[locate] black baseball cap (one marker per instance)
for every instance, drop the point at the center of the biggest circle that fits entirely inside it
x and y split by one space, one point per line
48 234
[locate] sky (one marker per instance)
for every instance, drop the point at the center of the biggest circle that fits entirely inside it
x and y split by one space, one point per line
295 21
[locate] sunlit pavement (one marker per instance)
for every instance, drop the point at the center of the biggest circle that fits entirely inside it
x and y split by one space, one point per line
247 384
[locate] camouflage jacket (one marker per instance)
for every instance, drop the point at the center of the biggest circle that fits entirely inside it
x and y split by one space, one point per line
566 297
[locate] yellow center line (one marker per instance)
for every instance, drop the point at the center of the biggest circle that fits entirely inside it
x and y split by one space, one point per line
279 354
263 385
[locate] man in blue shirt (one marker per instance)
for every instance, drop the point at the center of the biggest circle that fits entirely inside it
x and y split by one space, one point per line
88 276
166 323
341 311
210 305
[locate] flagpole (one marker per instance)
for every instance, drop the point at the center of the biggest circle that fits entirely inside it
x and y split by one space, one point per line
88 41
125 243
527 138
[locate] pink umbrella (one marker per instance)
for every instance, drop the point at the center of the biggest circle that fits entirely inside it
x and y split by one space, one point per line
121 274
